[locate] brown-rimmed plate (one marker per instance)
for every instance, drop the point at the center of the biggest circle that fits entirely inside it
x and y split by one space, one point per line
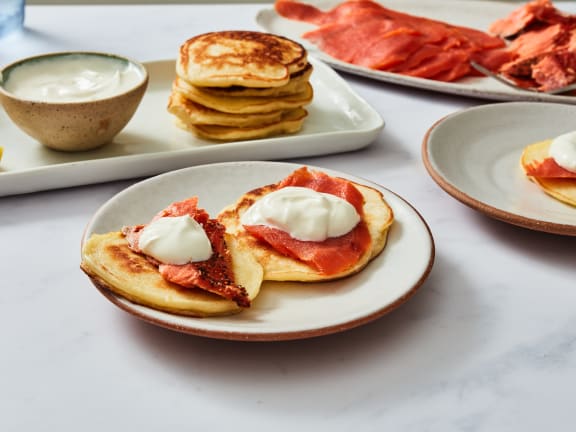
282 311
474 155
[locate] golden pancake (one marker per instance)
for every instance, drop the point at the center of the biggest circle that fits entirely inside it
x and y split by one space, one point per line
563 189
190 113
290 122
243 58
277 267
243 104
297 84
112 265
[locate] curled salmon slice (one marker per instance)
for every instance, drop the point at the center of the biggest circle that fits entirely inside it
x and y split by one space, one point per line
548 168
215 274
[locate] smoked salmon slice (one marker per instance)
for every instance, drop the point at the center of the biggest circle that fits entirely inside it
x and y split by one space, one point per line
311 14
391 45
332 255
548 168
215 274
365 33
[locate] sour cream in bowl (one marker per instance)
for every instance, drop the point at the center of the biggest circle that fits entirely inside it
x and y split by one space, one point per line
72 101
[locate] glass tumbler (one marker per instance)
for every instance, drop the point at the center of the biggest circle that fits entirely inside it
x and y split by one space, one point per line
11 15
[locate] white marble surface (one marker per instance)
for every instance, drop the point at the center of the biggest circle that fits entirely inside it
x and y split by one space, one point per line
487 344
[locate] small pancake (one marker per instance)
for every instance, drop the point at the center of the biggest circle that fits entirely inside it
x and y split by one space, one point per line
190 113
562 189
277 267
243 105
244 58
297 84
112 265
291 122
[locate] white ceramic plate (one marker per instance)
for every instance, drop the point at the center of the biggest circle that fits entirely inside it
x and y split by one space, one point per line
474 155
339 120
282 310
469 13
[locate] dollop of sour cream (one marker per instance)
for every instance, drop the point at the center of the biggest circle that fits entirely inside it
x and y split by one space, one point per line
563 151
72 78
303 213
175 240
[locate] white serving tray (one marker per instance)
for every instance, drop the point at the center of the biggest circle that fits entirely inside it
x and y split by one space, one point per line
339 121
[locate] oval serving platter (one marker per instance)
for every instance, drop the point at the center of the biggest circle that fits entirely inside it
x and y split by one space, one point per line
476 14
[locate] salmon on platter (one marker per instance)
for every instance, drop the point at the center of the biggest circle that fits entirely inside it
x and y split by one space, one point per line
534 45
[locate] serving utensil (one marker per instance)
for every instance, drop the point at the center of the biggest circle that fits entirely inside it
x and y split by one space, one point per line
512 84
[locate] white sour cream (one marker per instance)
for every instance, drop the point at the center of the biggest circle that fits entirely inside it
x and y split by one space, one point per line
303 213
175 240
72 78
563 151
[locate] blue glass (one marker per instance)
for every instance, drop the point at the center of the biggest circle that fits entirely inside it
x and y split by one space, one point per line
11 16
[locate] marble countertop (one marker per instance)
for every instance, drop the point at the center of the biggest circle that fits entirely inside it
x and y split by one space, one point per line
487 344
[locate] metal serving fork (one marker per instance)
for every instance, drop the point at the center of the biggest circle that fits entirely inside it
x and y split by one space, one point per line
510 83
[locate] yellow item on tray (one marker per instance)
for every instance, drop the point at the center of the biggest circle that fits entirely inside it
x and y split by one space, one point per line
241 85
561 188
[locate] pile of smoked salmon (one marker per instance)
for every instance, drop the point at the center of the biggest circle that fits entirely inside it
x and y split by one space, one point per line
368 34
543 46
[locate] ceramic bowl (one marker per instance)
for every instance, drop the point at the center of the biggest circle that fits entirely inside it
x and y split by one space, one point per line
72 101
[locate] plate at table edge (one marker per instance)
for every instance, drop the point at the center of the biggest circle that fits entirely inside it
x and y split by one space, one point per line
471 13
492 181
339 121
282 311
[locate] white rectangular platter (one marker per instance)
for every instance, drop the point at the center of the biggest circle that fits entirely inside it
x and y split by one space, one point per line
339 121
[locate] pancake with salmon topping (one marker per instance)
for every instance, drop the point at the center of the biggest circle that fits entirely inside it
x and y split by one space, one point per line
224 284
240 58
287 259
543 170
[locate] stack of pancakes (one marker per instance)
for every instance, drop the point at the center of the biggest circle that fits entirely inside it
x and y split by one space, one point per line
238 85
